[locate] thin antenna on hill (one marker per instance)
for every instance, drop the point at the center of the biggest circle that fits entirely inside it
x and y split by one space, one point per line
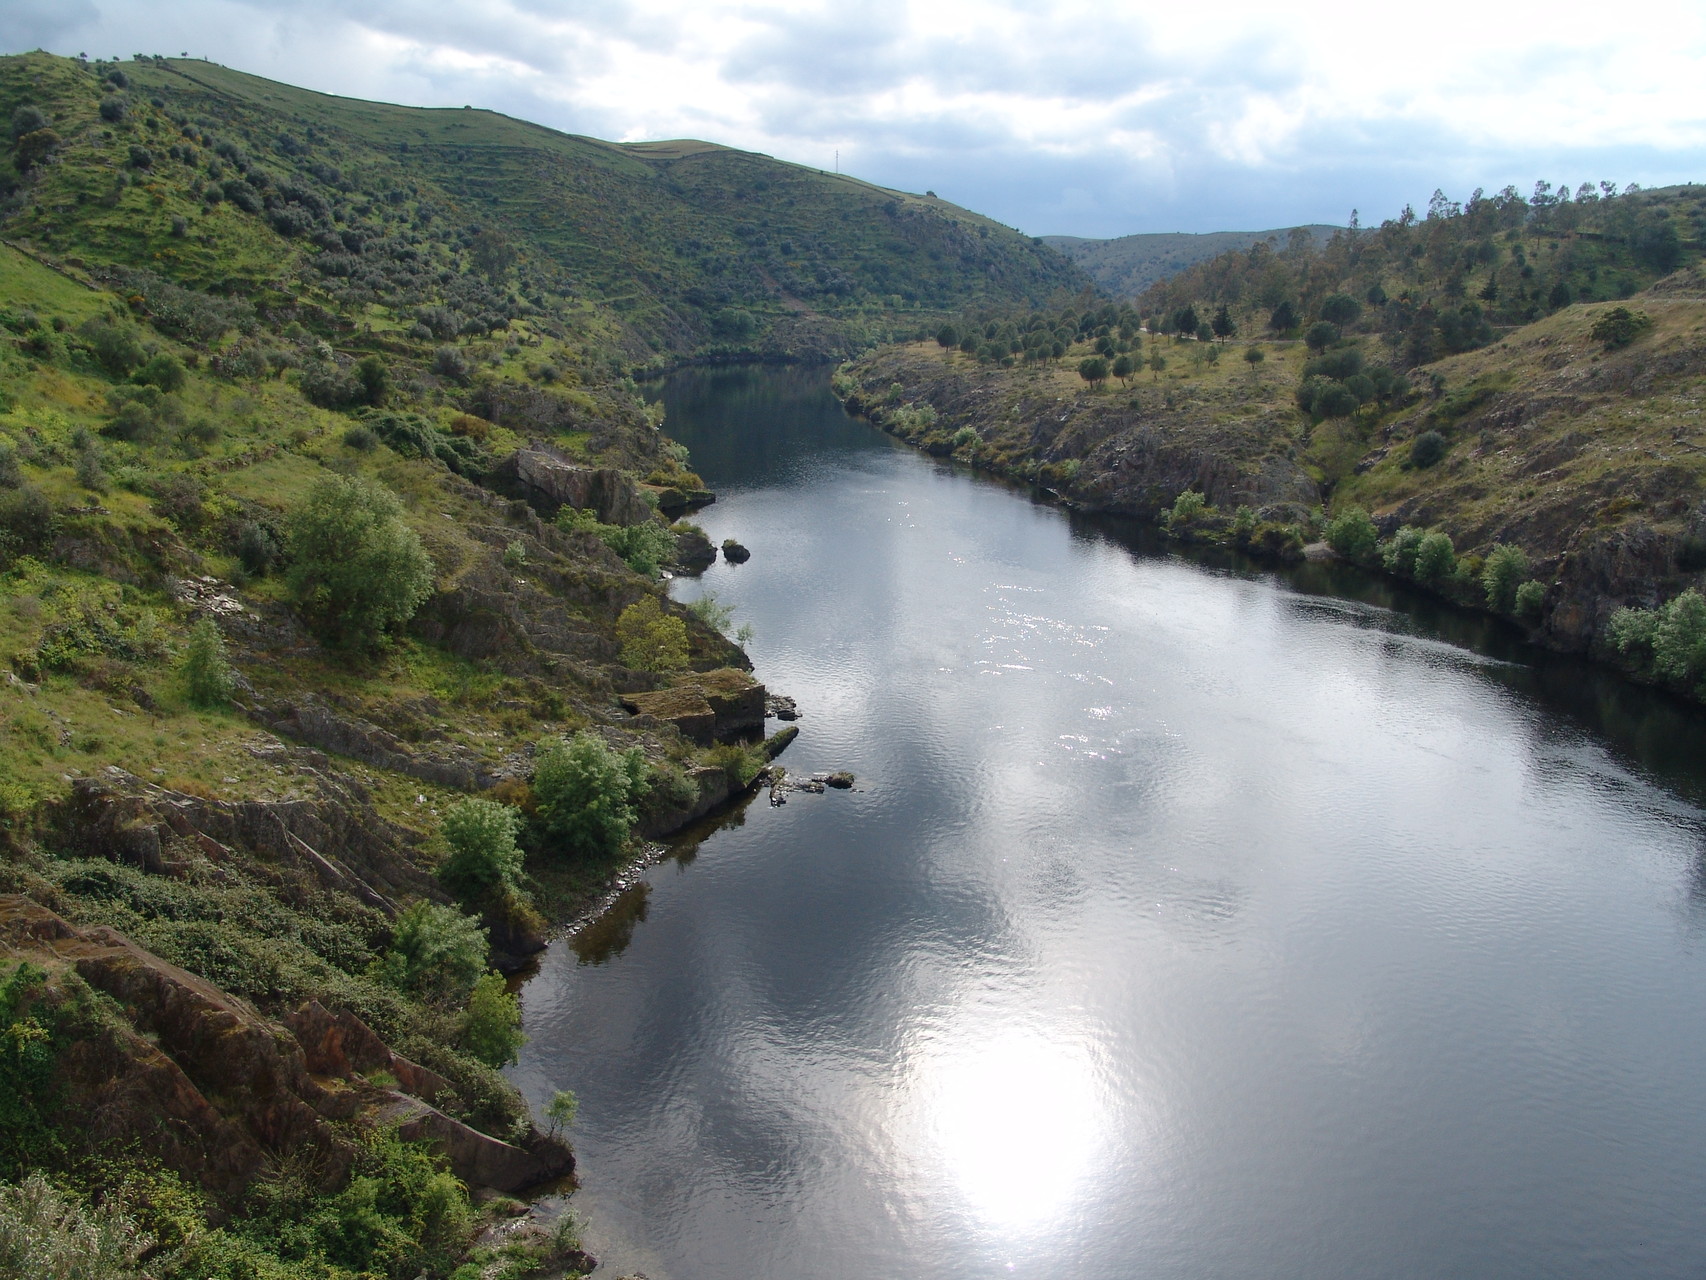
838 162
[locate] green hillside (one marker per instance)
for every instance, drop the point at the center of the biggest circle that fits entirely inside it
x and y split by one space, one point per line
1124 266
336 658
1510 384
693 249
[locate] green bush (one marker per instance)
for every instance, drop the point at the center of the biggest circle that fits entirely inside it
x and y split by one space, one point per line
1530 596
1186 507
165 371
1399 554
1427 449
1435 558
1352 534
28 1075
491 1025
584 792
650 639
1619 327
435 950
483 853
357 570
739 761
1668 642
208 678
1502 576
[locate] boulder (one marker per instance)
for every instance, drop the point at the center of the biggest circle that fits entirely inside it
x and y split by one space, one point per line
693 551
734 553
547 481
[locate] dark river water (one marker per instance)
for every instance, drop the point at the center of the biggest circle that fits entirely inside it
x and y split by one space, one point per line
1189 919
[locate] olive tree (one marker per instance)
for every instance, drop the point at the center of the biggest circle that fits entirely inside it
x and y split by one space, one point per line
357 570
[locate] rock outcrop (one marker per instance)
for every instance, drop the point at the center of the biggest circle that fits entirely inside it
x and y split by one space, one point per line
218 1092
706 706
547 480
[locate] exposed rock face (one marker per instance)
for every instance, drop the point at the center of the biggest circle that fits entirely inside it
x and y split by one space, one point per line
217 1091
693 551
547 480
706 706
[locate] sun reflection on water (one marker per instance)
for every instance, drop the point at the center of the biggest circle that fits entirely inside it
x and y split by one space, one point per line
1015 1122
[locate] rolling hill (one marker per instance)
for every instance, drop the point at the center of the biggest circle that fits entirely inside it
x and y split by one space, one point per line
1123 267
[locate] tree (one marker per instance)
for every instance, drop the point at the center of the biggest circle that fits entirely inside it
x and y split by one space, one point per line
1505 571
375 379
491 1024
1157 362
1253 356
584 792
1222 324
948 337
1427 449
435 950
357 571
33 148
483 853
562 1110
1283 318
492 254
1435 558
1093 369
1352 534
164 370
207 674
1340 309
26 119
651 640
1123 368
1321 335
1185 319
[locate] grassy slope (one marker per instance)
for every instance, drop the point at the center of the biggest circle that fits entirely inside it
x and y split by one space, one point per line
1124 266
93 622
696 246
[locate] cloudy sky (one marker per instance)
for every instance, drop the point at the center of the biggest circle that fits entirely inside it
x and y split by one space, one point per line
1055 116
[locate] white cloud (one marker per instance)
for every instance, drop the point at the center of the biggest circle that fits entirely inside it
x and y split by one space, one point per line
1155 117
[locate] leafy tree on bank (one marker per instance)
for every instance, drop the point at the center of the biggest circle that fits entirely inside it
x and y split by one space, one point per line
584 793
357 570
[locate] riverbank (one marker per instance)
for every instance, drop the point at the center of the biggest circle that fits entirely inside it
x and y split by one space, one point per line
1580 457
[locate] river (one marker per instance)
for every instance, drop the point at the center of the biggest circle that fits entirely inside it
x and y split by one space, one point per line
1189 919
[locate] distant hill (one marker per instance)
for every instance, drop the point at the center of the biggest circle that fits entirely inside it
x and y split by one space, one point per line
695 248
1127 265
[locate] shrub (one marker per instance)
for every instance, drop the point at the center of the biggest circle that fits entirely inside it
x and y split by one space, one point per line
28 1090
1619 327
1530 596
1352 534
1186 507
1427 449
739 761
435 950
450 362
1679 639
651 639
114 346
515 555
562 1110
966 438
11 475
483 853
47 1234
90 473
256 548
1399 555
27 119
361 439
356 569
207 674
114 109
1502 575
491 1025
583 792
712 612
1435 558
164 370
